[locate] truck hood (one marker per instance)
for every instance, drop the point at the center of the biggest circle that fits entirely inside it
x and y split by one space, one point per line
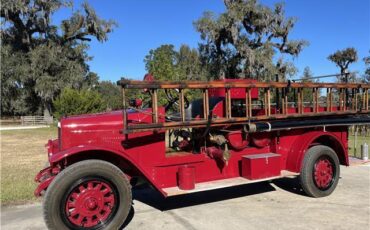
92 121
89 129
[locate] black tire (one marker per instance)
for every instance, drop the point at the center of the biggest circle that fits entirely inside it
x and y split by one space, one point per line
100 172
318 183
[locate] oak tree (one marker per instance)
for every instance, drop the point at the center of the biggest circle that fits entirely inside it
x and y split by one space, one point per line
367 70
343 58
248 40
40 58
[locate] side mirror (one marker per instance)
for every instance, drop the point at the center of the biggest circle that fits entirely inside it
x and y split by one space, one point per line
135 103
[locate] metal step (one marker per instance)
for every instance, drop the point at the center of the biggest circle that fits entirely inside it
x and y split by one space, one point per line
217 184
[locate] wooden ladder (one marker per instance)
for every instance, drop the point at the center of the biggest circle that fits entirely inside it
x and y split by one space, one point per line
350 98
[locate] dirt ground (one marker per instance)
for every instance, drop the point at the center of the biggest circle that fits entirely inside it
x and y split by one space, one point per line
276 205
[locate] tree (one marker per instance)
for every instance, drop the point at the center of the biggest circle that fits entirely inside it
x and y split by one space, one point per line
189 65
111 95
343 58
307 93
161 63
245 40
367 70
13 97
52 57
165 63
90 81
75 102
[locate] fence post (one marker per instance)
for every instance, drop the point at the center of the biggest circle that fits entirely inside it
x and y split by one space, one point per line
355 144
364 152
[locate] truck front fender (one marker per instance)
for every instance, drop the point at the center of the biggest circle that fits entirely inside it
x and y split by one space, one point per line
84 151
305 141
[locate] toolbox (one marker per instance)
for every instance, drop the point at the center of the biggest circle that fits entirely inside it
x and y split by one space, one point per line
259 166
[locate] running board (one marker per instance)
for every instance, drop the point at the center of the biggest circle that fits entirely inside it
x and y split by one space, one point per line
217 184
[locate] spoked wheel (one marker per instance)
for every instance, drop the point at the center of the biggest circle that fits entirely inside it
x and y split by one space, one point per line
320 171
91 195
323 173
90 204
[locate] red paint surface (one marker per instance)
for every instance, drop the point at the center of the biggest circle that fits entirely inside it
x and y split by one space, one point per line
99 136
238 140
261 166
186 177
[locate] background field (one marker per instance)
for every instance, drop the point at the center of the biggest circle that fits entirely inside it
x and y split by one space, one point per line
23 154
360 140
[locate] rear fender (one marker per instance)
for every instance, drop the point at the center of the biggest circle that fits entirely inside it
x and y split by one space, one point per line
305 141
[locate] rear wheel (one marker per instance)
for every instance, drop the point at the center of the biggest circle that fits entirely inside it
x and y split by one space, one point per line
320 171
91 194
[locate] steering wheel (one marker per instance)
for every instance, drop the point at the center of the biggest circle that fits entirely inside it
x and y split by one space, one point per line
173 98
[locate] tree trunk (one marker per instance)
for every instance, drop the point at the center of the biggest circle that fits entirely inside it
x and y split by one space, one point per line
47 109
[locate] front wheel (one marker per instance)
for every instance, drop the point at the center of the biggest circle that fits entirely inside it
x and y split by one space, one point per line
320 171
91 195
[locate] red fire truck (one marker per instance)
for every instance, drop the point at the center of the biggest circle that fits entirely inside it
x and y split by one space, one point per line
235 132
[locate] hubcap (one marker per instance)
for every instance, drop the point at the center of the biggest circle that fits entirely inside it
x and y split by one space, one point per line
323 173
90 203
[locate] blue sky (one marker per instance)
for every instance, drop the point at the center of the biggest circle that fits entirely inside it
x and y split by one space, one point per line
328 25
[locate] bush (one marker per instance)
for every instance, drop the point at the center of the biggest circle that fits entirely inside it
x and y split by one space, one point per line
74 102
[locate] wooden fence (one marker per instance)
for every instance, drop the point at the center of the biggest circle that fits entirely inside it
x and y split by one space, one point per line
36 120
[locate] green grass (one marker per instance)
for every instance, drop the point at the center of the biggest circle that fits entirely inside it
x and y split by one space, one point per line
351 145
22 155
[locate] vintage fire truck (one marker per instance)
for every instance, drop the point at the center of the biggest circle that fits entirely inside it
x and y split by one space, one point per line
234 132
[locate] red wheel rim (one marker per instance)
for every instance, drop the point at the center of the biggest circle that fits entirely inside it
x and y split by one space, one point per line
90 204
323 173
